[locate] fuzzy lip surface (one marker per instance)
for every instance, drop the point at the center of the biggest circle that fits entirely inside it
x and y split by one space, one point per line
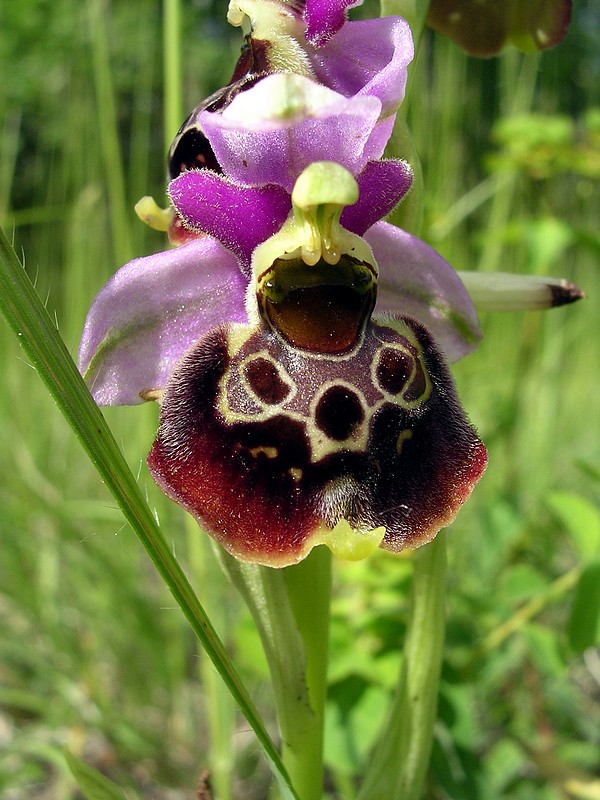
270 447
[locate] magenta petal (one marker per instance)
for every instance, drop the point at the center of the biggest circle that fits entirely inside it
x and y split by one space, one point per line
270 133
416 281
369 57
324 18
238 216
379 138
382 184
149 314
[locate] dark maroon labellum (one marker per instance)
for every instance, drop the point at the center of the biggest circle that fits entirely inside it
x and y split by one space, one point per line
270 446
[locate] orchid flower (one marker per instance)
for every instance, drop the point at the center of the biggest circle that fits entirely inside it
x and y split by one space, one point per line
485 28
297 342
292 415
316 422
366 59
313 38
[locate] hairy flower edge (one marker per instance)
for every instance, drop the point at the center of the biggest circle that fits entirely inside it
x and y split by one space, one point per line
275 451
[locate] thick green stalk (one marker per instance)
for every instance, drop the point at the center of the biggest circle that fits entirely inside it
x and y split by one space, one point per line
219 708
291 609
172 70
46 350
309 590
399 765
120 214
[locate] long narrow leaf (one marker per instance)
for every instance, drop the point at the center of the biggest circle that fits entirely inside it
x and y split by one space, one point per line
92 783
41 341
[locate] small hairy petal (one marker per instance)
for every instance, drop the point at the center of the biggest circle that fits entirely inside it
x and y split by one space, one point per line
416 281
241 217
271 448
272 132
325 17
381 185
151 312
368 57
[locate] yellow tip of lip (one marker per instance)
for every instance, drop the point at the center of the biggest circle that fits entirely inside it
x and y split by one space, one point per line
348 544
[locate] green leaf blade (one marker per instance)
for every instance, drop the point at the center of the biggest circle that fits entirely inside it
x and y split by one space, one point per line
93 784
47 352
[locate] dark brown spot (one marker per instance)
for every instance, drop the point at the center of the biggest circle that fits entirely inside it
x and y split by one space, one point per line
265 381
338 413
191 150
394 370
418 385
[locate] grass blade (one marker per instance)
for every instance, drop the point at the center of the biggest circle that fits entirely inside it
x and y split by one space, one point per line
46 350
92 783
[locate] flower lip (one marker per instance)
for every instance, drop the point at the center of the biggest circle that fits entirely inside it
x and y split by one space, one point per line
273 448
321 308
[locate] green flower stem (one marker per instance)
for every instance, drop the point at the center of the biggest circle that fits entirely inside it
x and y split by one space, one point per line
219 707
46 350
172 70
309 589
399 766
120 214
291 609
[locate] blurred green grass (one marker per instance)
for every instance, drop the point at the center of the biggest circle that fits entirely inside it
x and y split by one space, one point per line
92 654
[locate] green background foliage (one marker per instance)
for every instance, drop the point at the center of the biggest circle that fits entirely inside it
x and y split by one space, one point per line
93 655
